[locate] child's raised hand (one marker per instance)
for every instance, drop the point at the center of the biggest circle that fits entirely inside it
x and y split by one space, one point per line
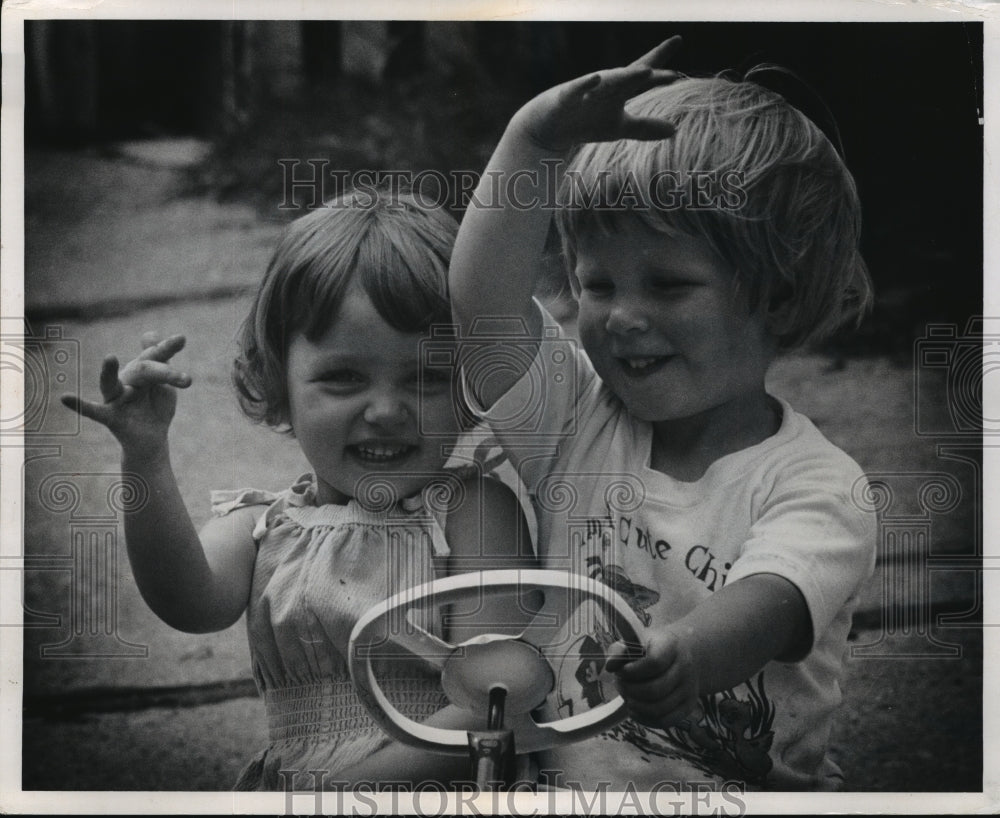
138 401
591 108
660 685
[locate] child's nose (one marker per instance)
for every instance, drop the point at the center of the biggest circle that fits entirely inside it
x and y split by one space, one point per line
626 317
386 410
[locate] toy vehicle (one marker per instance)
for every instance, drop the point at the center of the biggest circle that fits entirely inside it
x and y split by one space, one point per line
500 678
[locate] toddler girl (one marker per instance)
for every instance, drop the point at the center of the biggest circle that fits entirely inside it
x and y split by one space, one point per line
330 352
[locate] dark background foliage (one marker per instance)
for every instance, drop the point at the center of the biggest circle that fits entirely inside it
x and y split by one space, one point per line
906 99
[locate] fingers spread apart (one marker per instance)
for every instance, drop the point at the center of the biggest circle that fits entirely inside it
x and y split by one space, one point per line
100 412
156 349
151 372
111 387
623 83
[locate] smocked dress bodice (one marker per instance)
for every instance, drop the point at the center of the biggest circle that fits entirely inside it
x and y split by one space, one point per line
319 568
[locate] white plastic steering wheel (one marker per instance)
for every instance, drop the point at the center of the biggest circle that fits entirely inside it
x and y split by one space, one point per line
521 665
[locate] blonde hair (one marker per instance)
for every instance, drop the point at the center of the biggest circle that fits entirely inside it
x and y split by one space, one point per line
783 208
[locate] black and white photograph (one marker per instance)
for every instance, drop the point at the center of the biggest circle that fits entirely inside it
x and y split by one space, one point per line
436 410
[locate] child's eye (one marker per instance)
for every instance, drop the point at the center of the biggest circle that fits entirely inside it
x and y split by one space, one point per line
342 377
671 285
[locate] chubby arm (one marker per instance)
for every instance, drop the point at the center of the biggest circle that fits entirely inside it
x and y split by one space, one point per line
497 258
721 643
487 531
195 584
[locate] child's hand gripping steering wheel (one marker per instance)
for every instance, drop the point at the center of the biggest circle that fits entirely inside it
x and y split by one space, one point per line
521 665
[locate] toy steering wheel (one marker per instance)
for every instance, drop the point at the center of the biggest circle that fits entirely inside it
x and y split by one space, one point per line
521 665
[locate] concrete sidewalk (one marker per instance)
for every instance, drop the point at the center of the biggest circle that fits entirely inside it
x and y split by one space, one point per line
96 718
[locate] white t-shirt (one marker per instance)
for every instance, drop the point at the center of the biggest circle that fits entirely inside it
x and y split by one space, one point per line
783 506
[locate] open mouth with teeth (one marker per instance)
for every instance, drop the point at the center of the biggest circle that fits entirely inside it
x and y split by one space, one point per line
373 453
641 366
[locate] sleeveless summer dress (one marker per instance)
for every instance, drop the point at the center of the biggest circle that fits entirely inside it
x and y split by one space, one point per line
318 570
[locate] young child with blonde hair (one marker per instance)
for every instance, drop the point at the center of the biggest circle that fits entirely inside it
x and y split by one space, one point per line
706 224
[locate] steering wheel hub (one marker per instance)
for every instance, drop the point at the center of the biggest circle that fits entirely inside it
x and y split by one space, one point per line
478 666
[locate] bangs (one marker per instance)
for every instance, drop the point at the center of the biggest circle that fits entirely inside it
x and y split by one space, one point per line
730 137
398 254
748 174
415 296
396 250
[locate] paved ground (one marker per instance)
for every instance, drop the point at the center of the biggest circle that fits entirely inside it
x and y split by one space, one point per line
103 230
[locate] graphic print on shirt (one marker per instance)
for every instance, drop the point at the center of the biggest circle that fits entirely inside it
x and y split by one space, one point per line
730 734
580 672
637 596
597 562
727 737
581 668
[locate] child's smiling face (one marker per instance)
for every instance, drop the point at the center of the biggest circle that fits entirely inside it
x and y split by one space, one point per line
356 402
665 326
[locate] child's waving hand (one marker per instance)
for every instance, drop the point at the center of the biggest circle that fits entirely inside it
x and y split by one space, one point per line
591 108
139 400
193 583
